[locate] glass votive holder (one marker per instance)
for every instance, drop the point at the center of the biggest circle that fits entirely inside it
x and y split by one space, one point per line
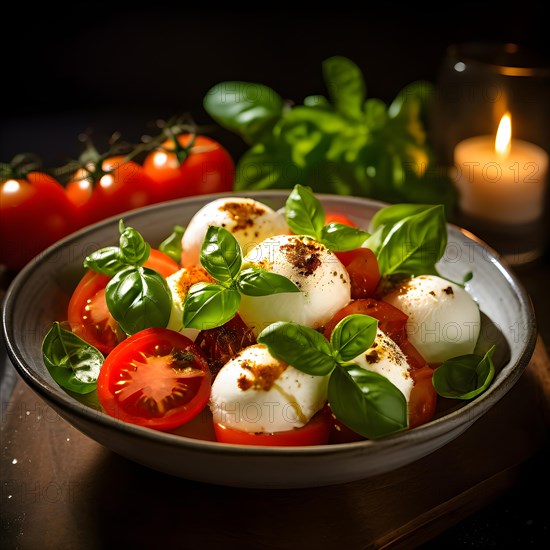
491 123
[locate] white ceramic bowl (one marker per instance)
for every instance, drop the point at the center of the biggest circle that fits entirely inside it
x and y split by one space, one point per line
40 292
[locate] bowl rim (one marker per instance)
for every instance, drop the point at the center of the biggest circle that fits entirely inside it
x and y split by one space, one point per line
472 410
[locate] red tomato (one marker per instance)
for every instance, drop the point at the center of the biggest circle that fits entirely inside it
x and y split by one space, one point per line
156 378
423 399
88 314
161 262
124 187
34 213
364 273
338 217
221 343
391 320
206 167
315 432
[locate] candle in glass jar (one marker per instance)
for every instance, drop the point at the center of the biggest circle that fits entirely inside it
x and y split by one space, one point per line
501 179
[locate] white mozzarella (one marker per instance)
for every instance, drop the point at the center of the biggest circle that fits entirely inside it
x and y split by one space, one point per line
318 273
179 284
444 319
249 221
386 358
255 392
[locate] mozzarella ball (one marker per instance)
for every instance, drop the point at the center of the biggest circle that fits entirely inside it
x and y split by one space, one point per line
255 392
248 220
444 319
386 358
322 279
179 284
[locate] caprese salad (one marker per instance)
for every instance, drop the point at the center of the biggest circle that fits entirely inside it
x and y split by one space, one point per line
290 327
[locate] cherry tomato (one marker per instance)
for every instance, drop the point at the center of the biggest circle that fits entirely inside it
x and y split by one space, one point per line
200 165
123 185
364 273
88 314
34 213
220 344
391 320
315 432
338 217
156 378
423 398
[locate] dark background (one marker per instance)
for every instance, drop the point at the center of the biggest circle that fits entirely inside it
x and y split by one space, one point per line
107 68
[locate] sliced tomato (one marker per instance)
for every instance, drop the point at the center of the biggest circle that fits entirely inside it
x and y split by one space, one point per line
391 320
423 398
156 378
364 273
88 314
315 432
222 343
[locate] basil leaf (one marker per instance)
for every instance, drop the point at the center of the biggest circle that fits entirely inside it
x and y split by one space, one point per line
339 237
302 347
308 133
414 244
353 335
376 115
209 305
367 402
390 215
221 254
305 215
316 101
106 261
246 108
139 298
464 377
266 165
346 86
259 282
172 244
410 110
133 248
73 363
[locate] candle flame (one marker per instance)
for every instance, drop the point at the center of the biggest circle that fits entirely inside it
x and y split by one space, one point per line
503 141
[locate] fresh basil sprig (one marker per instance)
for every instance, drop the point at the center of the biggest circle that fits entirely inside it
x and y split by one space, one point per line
305 215
209 305
132 250
365 401
464 377
172 244
408 239
346 143
73 363
138 297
